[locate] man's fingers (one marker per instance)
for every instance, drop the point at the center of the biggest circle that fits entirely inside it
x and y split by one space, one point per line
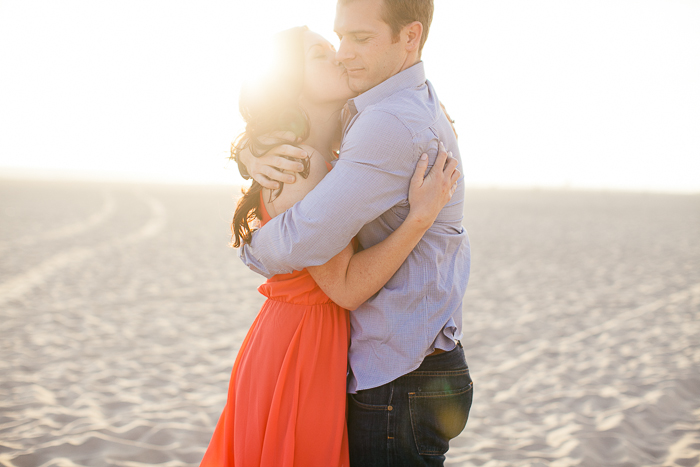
265 182
284 135
276 175
276 137
289 151
283 163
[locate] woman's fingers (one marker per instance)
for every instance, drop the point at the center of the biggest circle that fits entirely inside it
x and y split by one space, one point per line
451 164
428 194
419 173
450 172
443 174
441 157
439 165
455 176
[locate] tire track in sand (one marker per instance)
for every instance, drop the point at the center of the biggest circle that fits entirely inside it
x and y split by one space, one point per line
26 281
94 220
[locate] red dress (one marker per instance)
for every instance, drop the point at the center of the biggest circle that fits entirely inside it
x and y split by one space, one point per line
286 399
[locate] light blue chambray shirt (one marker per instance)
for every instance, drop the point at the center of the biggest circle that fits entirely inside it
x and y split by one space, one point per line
366 195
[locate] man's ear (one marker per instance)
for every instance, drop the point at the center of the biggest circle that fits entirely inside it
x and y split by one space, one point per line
411 34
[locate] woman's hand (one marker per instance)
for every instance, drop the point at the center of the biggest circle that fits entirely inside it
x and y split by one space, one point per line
274 166
427 195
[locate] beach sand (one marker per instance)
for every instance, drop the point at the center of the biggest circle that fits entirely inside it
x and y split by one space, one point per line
122 309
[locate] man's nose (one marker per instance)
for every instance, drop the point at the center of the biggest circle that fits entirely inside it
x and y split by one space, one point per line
344 53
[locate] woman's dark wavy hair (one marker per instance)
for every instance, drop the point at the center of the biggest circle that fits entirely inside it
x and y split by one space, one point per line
270 104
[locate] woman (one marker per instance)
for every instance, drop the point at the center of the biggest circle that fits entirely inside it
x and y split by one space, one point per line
286 400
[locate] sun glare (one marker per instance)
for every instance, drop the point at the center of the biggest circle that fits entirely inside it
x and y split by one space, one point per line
543 94
258 59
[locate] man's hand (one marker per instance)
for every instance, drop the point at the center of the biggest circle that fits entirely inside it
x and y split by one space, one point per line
274 166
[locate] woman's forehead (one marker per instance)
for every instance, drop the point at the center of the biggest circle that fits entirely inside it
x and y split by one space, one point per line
311 39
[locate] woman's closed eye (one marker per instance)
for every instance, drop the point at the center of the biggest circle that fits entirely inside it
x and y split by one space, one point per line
321 52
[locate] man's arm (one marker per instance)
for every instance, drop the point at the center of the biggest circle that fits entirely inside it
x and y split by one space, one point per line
373 174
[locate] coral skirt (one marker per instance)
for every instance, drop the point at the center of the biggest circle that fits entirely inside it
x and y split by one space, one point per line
286 400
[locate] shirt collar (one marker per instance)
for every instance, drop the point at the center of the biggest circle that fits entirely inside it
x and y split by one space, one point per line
408 78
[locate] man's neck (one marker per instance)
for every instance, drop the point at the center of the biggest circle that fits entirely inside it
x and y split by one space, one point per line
411 60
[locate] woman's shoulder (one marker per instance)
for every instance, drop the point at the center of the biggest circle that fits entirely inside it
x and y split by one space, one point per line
312 152
316 158
295 192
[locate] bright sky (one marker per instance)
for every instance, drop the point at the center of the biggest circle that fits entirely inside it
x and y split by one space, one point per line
551 93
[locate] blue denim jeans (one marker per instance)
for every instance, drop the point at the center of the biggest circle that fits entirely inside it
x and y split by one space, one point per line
409 421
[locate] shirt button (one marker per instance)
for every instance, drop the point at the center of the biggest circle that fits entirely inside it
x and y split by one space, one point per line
390 408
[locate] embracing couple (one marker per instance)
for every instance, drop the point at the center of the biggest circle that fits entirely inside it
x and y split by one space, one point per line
366 258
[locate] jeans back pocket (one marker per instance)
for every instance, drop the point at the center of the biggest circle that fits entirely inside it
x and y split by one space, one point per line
437 417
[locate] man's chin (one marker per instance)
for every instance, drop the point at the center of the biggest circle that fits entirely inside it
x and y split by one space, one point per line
357 86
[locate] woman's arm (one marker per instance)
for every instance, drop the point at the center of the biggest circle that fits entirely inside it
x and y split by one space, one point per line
349 278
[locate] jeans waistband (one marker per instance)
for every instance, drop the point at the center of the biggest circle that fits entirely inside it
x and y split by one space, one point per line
452 360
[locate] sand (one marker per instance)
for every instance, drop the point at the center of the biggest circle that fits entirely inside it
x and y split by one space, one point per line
122 309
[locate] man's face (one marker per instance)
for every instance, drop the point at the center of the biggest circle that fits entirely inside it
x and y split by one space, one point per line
366 47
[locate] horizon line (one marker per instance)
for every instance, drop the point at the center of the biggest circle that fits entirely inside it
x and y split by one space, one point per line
66 175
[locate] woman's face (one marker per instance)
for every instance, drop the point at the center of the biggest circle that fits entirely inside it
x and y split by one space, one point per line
325 79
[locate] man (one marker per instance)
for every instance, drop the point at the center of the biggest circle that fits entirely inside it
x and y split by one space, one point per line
409 387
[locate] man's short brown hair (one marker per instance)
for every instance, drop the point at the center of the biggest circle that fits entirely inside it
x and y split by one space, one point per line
399 13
